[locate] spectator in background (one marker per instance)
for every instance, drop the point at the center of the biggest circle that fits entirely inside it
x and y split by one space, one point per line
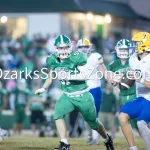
6 58
37 111
49 44
36 105
108 109
3 105
11 84
43 56
107 58
21 93
74 45
24 43
3 98
110 43
95 40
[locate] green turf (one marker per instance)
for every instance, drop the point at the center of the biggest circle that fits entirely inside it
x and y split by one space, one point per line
29 143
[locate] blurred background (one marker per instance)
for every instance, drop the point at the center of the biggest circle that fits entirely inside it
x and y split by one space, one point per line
27 31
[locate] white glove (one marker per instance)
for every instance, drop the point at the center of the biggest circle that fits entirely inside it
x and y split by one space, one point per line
40 91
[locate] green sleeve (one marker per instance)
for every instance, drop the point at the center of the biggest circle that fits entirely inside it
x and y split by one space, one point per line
4 91
109 67
82 59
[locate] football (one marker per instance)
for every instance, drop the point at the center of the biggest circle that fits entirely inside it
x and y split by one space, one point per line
126 82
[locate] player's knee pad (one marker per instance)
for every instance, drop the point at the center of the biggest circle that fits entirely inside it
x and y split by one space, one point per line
123 117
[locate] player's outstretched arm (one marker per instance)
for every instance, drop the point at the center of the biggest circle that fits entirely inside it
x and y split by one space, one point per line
46 84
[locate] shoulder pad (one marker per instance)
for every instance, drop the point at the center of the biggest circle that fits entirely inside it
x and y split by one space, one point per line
50 59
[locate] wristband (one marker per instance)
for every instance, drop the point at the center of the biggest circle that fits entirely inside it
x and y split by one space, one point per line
44 88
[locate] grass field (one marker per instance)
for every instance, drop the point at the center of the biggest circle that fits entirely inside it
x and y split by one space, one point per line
30 143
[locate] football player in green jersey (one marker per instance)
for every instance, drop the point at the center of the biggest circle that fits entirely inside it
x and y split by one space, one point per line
121 65
75 92
21 93
3 105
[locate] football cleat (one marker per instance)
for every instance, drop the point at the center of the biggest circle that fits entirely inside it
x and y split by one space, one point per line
63 146
109 144
94 142
89 140
3 134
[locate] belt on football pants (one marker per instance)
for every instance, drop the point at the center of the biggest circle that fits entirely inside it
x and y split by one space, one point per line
78 95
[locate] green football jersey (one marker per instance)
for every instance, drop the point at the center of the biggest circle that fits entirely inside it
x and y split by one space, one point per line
2 93
69 64
21 96
37 105
117 66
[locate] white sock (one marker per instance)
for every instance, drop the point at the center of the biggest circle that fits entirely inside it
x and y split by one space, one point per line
95 135
64 140
133 148
145 132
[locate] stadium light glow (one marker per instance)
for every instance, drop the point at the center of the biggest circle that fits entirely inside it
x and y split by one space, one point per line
99 19
89 16
107 18
81 16
4 19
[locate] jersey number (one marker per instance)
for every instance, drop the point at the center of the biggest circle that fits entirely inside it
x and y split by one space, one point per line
63 82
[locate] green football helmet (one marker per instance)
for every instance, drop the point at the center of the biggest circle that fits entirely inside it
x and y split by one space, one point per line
63 46
123 49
